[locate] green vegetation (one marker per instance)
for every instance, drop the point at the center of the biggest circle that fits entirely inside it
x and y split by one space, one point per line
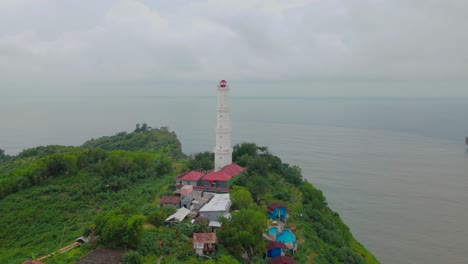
144 138
202 160
110 187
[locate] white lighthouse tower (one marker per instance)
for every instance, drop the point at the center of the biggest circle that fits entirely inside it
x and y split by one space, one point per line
223 149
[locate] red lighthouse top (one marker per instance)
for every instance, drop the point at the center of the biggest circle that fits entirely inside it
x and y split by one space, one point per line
222 84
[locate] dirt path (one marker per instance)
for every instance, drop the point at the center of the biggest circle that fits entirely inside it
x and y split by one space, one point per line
65 248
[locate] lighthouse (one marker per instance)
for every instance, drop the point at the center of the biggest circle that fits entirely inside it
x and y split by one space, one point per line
223 149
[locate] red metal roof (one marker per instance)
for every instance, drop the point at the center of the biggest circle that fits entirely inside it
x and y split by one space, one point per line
165 199
192 176
232 170
275 205
204 237
274 244
216 176
282 260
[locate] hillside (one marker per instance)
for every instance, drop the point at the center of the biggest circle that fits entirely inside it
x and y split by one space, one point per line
143 138
58 193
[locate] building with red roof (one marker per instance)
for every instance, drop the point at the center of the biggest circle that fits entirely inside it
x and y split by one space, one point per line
221 178
232 170
170 200
204 242
282 260
191 178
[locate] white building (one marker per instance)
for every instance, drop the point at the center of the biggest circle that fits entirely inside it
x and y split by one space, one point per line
218 206
223 149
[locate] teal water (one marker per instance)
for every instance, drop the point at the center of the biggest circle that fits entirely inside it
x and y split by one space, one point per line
395 169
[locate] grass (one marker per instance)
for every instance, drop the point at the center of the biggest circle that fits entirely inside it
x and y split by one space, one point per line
33 220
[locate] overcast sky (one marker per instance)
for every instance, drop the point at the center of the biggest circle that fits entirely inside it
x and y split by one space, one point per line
277 47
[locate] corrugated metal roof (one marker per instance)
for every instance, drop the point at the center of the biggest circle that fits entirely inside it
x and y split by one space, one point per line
219 202
179 215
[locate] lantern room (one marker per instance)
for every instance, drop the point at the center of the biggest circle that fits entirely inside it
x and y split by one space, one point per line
222 84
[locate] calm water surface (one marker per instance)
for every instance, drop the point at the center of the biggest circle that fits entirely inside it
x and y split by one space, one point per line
395 169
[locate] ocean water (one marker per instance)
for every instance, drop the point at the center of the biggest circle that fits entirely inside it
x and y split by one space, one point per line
395 169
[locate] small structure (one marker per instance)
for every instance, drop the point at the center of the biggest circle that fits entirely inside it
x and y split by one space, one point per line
170 200
277 210
276 249
190 178
204 242
178 216
218 206
82 239
220 178
186 196
282 260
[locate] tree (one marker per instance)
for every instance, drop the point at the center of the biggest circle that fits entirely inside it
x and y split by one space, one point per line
249 149
132 257
258 185
202 160
240 197
242 234
119 227
157 218
3 157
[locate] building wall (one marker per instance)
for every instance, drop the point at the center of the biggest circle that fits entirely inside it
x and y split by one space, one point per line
222 184
193 183
213 215
273 253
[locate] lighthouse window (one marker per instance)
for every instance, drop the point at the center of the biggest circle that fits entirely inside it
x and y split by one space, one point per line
220 136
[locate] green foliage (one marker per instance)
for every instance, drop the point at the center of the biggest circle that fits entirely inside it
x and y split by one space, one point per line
132 257
3 157
242 234
146 139
258 186
45 189
157 218
202 160
119 227
240 197
226 259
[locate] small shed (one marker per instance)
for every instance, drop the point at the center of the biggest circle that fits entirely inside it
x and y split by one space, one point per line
204 243
170 200
179 215
277 210
82 239
191 178
276 249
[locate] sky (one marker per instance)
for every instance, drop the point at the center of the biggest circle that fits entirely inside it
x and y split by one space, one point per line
262 47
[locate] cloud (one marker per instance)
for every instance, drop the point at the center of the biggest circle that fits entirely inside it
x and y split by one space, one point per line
52 41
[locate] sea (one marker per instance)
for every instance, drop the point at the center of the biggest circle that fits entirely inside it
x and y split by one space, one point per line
395 169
